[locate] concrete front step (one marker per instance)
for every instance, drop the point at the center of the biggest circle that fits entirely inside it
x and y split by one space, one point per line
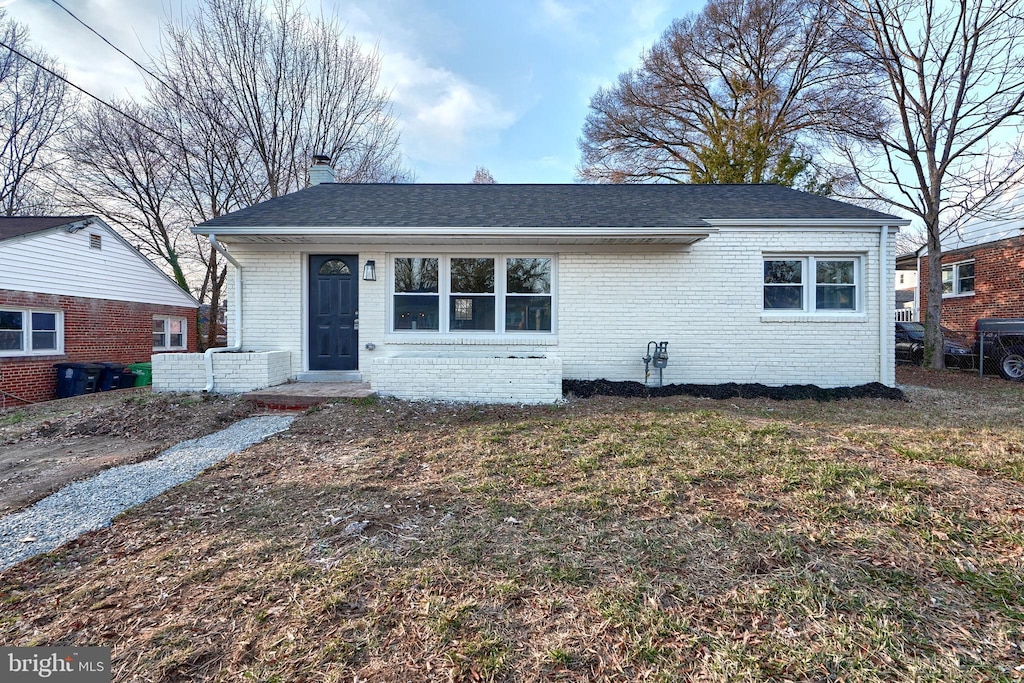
303 395
329 376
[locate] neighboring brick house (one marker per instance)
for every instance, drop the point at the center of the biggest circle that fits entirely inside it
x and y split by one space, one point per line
983 273
499 292
71 290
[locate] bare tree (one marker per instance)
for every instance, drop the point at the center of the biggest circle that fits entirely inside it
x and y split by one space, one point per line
244 92
910 239
291 86
483 177
736 93
951 76
35 108
122 170
213 175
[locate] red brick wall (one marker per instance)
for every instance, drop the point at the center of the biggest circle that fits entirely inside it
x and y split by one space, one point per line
998 285
94 330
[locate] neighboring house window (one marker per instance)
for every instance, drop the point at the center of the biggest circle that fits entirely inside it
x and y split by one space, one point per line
169 333
27 332
498 294
816 284
958 279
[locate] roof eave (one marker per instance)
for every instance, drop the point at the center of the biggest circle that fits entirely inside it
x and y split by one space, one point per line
399 234
831 223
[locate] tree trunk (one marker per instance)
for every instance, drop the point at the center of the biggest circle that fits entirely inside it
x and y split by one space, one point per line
934 356
213 314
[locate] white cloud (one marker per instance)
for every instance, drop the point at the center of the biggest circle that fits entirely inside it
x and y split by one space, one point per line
559 13
443 116
89 62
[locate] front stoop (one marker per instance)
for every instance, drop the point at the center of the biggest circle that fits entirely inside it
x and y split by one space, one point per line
303 395
331 376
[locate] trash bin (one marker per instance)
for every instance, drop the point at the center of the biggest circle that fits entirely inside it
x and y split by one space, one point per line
143 373
127 380
75 379
110 377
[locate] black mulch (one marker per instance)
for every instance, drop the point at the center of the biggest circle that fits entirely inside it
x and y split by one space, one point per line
797 392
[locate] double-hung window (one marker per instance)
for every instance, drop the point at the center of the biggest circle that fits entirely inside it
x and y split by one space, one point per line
472 297
812 284
416 294
28 332
528 294
169 334
958 279
472 294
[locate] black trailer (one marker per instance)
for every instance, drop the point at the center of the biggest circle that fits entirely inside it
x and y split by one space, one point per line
1001 344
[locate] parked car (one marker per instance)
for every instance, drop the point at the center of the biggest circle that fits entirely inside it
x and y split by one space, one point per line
910 346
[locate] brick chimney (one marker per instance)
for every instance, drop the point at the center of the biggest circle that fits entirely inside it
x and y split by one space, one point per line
321 171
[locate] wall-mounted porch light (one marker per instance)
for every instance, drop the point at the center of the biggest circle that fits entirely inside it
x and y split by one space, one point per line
370 271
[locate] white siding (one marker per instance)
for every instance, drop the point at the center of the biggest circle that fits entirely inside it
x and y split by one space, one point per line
58 262
1001 220
706 303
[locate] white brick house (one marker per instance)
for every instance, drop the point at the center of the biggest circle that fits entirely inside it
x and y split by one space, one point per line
498 292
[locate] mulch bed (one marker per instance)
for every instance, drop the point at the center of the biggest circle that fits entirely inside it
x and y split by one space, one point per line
797 392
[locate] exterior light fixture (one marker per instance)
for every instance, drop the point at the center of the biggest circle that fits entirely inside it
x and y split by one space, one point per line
370 271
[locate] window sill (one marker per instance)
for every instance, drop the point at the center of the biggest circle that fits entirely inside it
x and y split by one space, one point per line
34 355
958 296
814 318
470 340
169 349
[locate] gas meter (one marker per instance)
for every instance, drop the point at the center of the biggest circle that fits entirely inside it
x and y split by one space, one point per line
658 358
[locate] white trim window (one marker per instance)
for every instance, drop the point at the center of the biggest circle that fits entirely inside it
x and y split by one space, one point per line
169 333
494 294
958 279
25 332
811 284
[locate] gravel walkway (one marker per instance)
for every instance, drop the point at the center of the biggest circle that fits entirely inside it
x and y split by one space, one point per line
92 503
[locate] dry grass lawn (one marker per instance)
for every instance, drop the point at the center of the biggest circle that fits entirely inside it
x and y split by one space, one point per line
600 540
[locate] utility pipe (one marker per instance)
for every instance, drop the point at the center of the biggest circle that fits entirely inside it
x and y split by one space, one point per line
208 355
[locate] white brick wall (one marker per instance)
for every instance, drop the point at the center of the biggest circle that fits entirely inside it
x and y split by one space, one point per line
233 372
706 303
273 302
484 379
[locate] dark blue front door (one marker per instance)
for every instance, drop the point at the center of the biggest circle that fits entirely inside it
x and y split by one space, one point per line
333 313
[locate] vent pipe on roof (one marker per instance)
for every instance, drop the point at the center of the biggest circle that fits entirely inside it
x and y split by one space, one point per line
321 171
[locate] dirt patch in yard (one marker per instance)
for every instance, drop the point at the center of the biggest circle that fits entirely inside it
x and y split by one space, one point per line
30 471
48 445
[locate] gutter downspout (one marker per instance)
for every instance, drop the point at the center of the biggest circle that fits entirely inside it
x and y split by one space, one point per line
883 299
208 355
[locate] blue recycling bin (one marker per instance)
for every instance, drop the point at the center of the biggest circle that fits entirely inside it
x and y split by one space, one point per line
75 379
110 376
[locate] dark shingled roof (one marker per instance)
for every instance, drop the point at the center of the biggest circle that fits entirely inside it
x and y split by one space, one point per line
16 226
601 206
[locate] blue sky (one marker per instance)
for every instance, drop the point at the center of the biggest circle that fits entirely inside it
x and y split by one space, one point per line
497 83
